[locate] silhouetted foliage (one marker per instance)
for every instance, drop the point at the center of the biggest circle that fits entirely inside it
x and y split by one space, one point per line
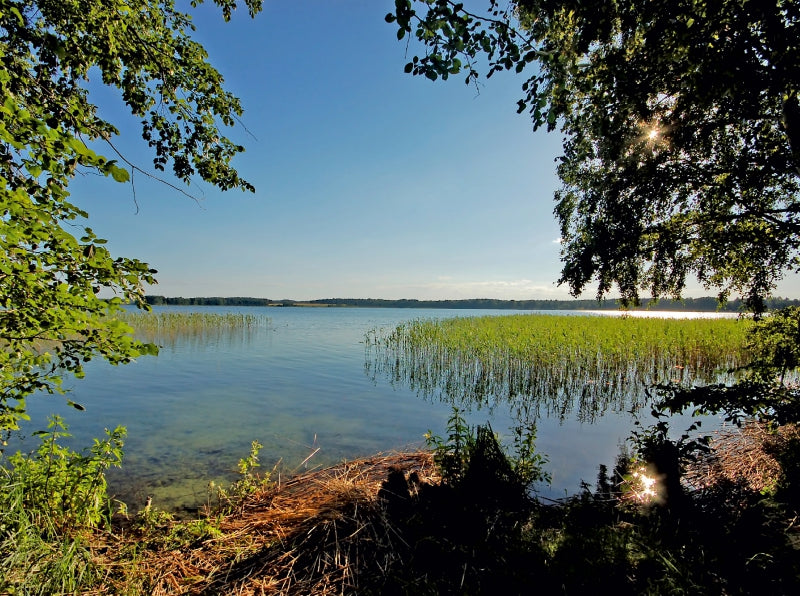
475 533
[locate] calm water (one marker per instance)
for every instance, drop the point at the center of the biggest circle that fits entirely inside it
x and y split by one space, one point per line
302 384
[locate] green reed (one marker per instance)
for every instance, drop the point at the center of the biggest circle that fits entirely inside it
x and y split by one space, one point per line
166 328
557 364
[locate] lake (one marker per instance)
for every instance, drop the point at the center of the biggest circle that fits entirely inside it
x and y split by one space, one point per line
305 386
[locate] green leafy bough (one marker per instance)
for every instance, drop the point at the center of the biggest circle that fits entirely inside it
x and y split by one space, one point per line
680 123
53 269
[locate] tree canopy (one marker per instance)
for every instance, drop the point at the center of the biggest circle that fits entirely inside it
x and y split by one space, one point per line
681 126
53 269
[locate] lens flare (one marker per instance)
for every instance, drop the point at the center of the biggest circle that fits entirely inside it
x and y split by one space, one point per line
646 489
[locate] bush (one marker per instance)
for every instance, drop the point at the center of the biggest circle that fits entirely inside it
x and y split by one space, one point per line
50 500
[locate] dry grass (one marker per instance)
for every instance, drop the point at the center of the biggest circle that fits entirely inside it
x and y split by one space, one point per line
743 455
320 532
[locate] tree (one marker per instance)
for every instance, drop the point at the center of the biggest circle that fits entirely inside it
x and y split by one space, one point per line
681 126
54 269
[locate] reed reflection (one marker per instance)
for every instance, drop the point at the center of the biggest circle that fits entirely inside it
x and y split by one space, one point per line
196 331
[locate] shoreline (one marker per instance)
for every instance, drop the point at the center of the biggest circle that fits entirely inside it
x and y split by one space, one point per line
704 304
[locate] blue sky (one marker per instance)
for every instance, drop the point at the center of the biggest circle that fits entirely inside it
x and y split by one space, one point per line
370 183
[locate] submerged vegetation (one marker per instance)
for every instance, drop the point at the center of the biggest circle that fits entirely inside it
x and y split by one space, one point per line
556 365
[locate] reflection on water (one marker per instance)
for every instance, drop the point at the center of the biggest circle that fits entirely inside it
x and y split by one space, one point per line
296 384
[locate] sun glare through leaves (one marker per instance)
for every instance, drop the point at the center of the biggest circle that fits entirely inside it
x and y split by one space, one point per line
644 487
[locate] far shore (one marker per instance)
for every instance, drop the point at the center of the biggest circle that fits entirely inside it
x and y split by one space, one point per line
704 304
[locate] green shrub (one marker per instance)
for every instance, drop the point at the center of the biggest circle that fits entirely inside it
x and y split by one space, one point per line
63 486
248 483
49 502
465 446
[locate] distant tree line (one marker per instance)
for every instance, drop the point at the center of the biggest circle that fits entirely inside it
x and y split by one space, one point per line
212 301
706 304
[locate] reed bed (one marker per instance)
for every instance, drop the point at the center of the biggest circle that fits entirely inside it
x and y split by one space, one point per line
167 328
560 365
320 532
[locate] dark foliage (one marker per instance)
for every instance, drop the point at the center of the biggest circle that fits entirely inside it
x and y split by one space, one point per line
483 534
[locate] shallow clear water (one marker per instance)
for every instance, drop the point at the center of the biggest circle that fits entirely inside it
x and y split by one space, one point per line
301 383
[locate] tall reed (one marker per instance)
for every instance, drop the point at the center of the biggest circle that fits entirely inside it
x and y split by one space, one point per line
556 365
167 328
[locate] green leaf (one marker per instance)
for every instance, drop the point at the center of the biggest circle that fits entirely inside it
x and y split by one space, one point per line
120 174
15 11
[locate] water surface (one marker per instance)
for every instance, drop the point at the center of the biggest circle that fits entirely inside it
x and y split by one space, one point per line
305 383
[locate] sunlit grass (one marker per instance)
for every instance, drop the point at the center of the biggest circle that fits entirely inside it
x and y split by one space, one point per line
687 343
